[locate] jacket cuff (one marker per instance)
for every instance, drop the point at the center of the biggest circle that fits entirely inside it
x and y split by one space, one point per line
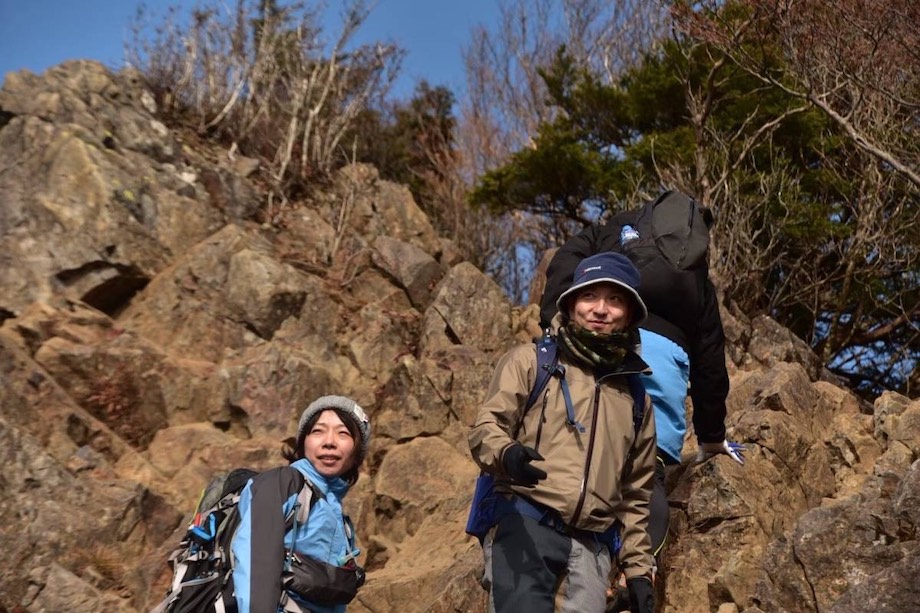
501 458
638 571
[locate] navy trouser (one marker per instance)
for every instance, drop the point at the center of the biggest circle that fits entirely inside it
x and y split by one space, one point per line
534 568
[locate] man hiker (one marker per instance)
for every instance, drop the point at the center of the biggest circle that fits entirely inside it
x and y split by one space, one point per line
577 467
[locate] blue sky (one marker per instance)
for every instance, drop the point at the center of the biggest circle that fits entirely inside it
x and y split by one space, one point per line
37 34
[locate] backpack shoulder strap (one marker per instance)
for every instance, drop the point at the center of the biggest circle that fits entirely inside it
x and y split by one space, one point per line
307 495
548 366
637 391
306 498
350 536
547 359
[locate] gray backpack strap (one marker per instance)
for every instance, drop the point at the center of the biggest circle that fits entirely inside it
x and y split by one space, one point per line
307 496
353 551
297 517
305 499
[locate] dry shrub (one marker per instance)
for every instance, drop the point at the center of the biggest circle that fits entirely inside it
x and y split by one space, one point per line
113 399
262 79
103 565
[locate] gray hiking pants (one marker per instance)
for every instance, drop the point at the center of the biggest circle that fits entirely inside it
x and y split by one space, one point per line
531 567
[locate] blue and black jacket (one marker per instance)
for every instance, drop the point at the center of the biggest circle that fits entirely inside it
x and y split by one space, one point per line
262 538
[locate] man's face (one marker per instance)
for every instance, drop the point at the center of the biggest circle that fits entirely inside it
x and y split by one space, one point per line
602 307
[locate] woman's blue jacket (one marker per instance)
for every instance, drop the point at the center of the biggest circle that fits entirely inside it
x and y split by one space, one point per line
262 537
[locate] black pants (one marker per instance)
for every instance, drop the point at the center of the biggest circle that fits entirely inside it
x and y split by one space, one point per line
659 511
658 522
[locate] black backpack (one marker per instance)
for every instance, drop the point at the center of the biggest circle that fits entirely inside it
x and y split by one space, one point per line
202 565
673 227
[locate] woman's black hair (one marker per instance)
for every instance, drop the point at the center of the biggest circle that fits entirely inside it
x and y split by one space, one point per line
292 448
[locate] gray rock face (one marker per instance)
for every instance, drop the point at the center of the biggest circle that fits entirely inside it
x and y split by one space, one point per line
93 200
155 331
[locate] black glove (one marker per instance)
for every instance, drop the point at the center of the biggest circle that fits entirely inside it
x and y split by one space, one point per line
516 462
641 595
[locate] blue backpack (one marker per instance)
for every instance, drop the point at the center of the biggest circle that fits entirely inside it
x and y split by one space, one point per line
486 508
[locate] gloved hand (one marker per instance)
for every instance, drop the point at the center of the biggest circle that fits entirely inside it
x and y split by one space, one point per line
516 462
733 450
641 595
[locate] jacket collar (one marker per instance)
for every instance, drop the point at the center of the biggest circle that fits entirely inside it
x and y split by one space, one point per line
335 485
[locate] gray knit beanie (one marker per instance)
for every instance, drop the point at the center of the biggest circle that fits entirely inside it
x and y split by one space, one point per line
346 405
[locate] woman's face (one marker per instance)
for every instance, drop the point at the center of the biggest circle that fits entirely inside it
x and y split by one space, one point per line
329 445
602 307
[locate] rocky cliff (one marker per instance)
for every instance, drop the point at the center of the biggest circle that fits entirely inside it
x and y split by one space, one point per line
161 322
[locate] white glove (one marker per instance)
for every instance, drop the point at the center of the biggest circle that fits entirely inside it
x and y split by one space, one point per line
733 450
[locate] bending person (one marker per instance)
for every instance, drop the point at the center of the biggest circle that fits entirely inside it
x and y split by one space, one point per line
682 339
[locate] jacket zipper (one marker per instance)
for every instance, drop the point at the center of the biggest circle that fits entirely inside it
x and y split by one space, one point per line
542 418
584 477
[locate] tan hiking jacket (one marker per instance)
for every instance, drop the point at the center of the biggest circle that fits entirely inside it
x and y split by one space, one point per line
593 478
